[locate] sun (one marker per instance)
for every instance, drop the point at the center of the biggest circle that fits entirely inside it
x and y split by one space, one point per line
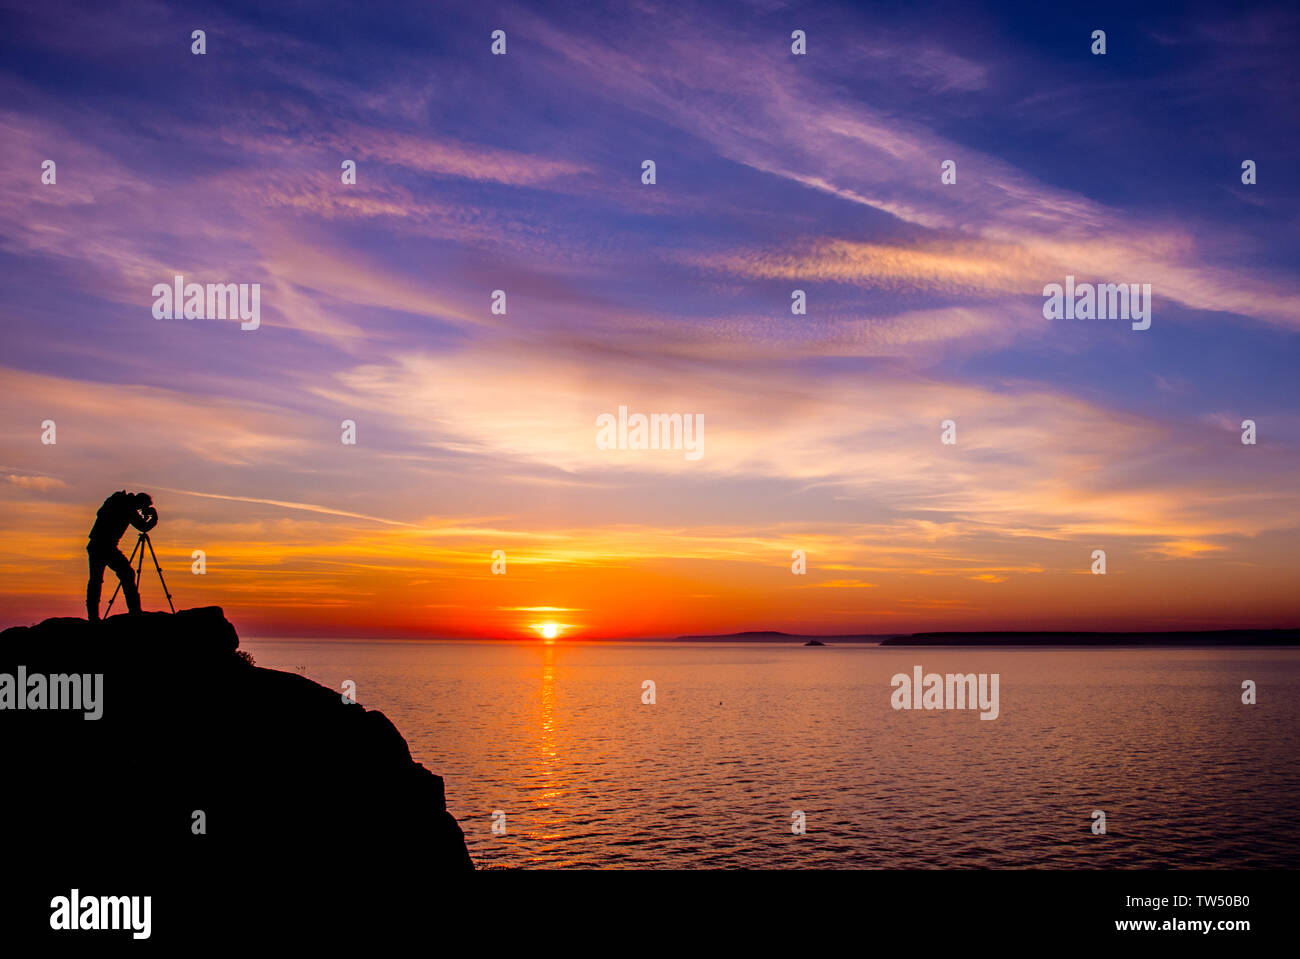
548 631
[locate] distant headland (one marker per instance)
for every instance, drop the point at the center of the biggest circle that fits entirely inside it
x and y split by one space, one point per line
1208 637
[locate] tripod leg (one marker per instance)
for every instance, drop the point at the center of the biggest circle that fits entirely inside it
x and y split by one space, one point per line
118 588
159 568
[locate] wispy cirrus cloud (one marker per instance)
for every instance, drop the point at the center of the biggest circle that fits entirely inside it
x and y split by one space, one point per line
40 484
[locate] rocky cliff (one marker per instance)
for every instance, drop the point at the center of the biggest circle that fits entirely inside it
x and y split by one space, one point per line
202 765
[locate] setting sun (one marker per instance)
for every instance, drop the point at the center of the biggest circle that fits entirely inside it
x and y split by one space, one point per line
548 630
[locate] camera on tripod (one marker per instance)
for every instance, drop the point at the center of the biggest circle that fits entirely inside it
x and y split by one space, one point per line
151 520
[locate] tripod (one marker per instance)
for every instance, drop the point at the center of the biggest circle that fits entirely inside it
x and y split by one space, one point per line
141 542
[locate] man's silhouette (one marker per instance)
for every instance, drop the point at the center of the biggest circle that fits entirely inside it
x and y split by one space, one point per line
120 510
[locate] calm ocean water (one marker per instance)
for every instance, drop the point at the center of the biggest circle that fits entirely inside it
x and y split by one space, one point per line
556 737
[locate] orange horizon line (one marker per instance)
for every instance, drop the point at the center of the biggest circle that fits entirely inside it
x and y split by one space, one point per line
530 636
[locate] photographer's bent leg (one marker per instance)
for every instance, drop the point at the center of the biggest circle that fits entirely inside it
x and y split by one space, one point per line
93 586
126 573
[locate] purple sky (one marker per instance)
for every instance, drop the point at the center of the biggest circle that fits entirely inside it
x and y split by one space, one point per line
775 172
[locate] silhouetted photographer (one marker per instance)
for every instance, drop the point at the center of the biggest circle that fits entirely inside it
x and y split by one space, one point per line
119 511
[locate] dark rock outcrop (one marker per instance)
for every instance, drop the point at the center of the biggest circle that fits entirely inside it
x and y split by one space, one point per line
293 783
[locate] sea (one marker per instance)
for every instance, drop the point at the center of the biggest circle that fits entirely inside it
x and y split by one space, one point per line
771 756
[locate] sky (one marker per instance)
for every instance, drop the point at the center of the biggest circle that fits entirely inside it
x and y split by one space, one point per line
476 431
